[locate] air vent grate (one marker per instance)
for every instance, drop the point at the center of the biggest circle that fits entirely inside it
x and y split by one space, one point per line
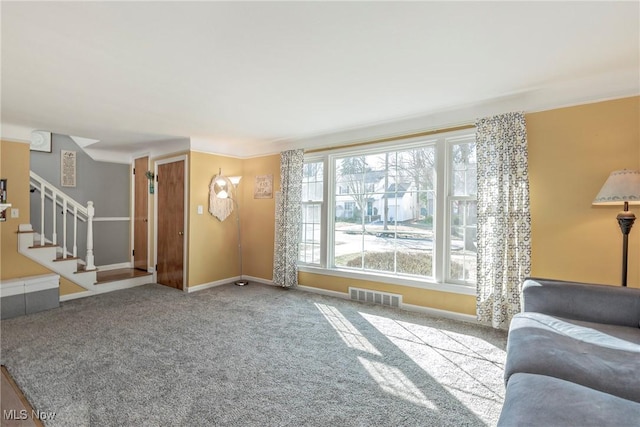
375 297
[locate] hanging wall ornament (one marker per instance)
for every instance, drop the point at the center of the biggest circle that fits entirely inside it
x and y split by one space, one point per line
220 202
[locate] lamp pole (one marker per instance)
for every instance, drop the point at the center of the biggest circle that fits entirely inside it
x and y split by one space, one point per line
240 282
235 180
217 188
625 220
622 186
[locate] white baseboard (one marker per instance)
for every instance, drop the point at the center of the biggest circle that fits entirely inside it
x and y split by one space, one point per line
440 313
326 292
408 307
107 287
114 266
76 295
258 279
343 295
211 284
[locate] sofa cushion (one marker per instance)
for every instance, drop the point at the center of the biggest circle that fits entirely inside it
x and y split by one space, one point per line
599 356
615 305
539 400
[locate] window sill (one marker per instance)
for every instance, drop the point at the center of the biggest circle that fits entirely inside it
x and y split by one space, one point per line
392 280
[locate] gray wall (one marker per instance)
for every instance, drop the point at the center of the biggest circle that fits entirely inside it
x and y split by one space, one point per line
106 184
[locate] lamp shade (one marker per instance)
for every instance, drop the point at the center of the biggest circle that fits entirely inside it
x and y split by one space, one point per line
621 186
235 180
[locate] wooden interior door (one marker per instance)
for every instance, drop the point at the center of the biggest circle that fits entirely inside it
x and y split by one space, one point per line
141 214
170 196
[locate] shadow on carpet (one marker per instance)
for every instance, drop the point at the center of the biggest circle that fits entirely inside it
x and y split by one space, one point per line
254 355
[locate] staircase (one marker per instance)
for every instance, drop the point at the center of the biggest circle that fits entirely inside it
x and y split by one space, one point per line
59 253
51 256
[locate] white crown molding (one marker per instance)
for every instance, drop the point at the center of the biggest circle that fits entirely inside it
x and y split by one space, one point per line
16 133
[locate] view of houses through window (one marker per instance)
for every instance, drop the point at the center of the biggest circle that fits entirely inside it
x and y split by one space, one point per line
405 210
312 197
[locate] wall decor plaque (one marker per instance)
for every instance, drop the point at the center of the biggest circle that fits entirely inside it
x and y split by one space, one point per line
263 188
68 168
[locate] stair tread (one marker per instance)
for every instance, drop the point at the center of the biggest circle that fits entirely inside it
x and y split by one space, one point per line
120 274
46 245
67 258
83 269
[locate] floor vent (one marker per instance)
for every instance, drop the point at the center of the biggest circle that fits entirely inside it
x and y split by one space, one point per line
375 297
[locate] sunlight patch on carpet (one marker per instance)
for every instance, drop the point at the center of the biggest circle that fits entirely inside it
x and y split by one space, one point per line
393 381
349 334
468 367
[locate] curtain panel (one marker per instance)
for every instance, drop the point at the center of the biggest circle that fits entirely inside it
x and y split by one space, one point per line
288 218
504 220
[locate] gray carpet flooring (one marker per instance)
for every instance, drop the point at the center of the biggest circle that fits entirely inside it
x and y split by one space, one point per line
252 356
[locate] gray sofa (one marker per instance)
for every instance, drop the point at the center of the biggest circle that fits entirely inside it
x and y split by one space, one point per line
573 356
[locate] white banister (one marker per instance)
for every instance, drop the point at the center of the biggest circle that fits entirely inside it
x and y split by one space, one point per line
42 197
64 228
54 235
69 206
75 231
90 214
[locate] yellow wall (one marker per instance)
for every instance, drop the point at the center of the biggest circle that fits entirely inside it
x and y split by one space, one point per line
14 166
465 304
258 218
571 153
213 245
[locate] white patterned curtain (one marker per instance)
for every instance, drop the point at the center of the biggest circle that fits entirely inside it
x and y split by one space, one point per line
288 217
504 220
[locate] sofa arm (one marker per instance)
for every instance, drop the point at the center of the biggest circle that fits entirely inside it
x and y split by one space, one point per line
582 301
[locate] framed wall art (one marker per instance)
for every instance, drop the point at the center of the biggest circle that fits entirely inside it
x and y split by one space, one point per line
263 188
67 168
40 141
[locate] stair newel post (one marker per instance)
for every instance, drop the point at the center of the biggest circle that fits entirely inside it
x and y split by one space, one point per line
90 213
54 236
64 228
75 231
42 197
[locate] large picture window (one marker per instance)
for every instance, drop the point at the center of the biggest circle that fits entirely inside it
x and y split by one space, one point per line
385 222
406 210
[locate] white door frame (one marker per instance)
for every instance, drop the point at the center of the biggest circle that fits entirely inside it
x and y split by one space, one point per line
185 250
150 267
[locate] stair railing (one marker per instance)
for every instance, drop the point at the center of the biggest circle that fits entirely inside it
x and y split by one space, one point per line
69 207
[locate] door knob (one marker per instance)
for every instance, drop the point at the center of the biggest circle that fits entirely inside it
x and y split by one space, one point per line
181 233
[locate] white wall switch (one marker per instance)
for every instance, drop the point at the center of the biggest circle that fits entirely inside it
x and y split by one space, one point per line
15 212
200 209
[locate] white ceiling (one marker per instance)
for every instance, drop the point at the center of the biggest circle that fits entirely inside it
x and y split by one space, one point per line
250 78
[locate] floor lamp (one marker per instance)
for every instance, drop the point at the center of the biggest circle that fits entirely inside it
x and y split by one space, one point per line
221 188
622 188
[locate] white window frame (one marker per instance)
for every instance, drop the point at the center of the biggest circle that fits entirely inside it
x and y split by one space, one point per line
323 212
320 251
449 142
441 219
